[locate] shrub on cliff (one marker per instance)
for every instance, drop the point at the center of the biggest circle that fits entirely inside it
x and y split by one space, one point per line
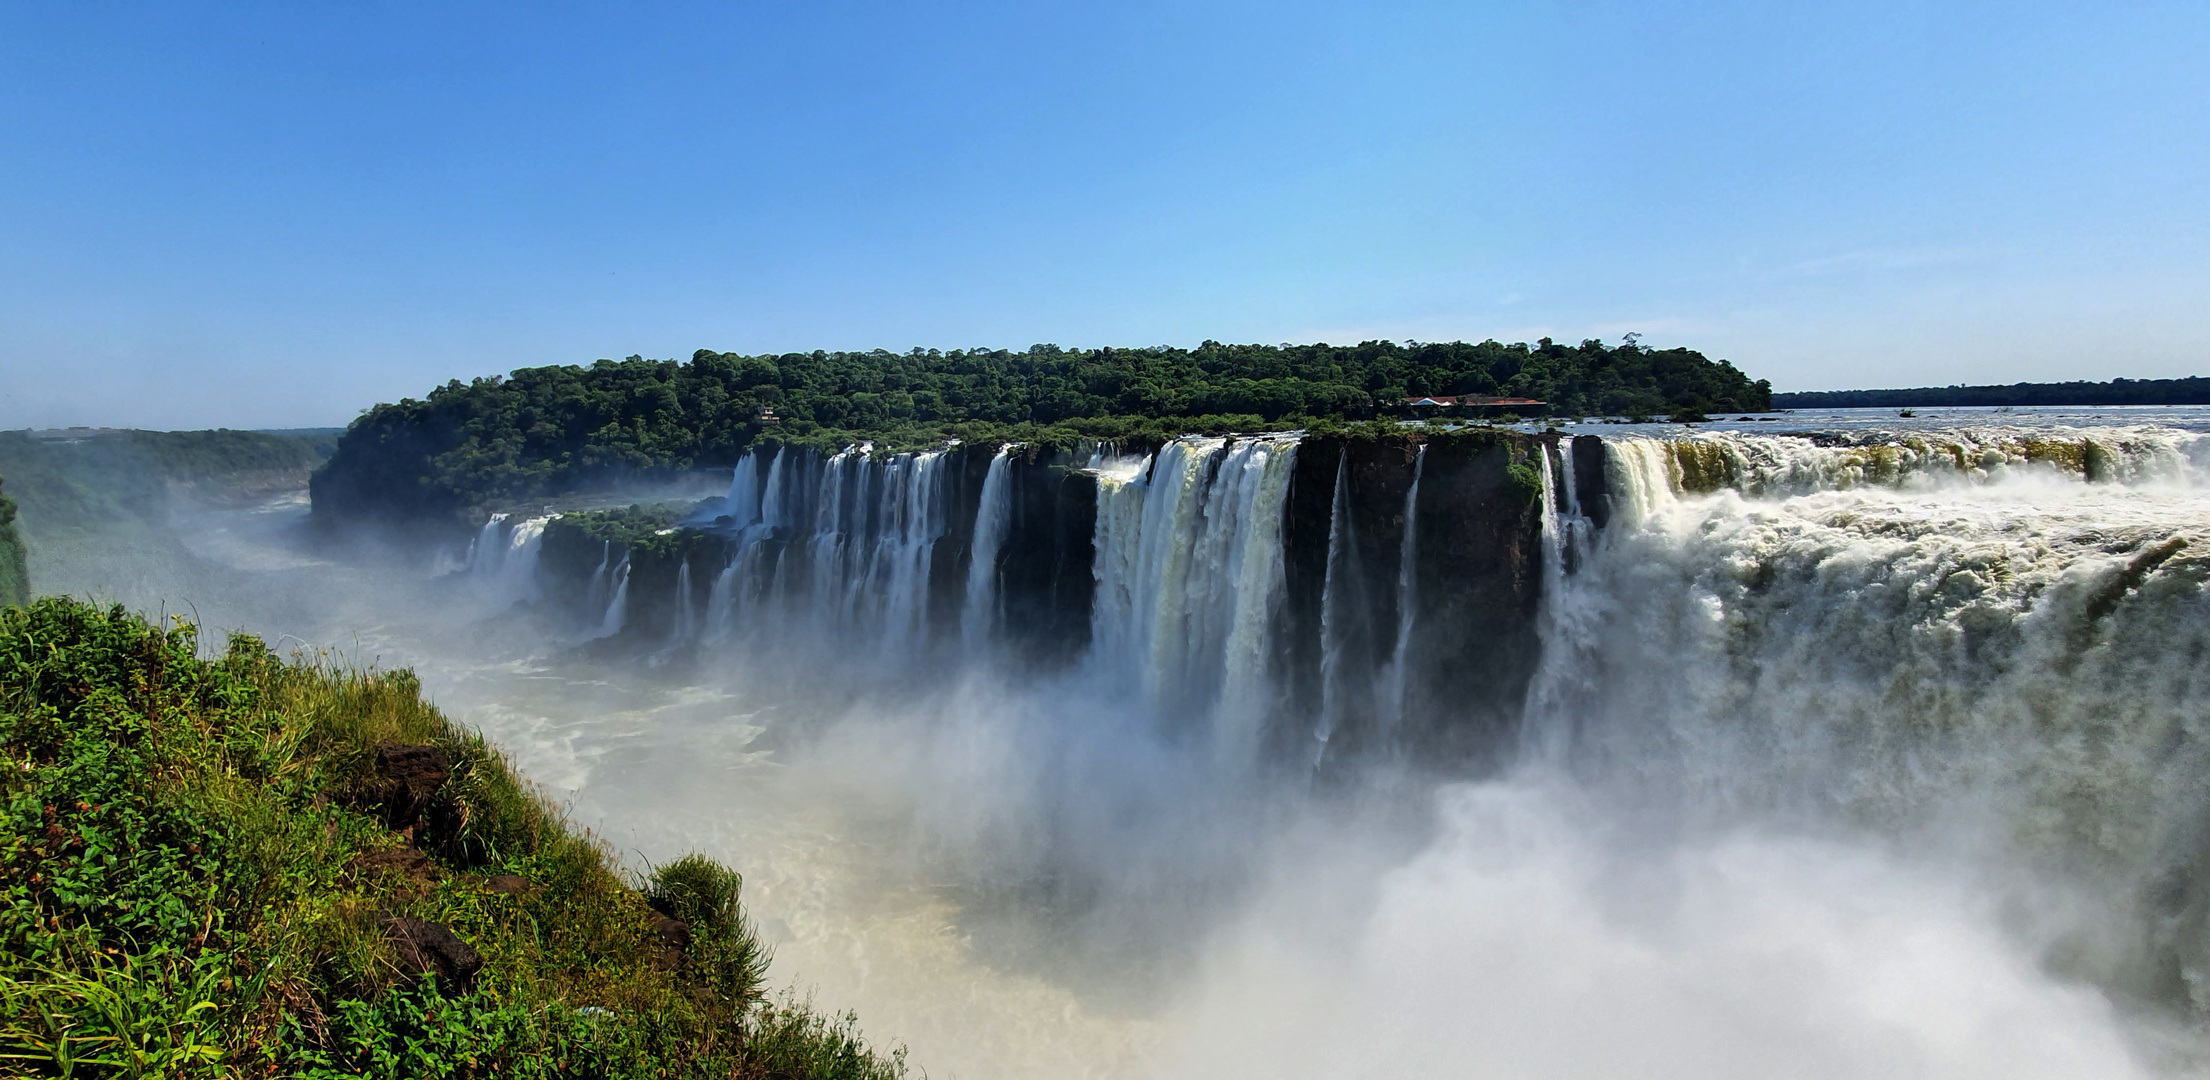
246 866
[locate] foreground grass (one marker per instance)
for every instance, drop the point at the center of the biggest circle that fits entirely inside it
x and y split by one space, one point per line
201 865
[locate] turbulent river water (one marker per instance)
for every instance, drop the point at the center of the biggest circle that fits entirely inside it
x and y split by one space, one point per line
1877 750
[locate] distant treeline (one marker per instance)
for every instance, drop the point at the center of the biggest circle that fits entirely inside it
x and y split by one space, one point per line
69 482
549 429
2188 391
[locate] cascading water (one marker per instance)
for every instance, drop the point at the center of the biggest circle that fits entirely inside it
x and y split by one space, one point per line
1346 687
617 608
1188 571
1250 694
2010 633
1567 642
841 515
686 605
910 519
1649 472
842 546
743 501
502 563
1398 673
595 595
993 515
489 543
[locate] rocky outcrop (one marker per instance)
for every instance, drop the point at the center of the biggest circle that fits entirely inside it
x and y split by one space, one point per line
428 950
1591 486
407 778
1474 591
1045 583
672 939
1478 588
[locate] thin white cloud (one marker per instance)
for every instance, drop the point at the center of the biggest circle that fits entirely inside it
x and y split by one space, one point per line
1878 260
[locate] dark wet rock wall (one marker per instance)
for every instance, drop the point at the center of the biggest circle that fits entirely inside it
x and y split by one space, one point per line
1475 590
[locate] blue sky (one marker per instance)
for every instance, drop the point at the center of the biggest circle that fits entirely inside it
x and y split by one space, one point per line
253 216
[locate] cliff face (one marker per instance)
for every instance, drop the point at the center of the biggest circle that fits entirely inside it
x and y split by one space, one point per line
1452 687
1479 582
1045 582
1368 655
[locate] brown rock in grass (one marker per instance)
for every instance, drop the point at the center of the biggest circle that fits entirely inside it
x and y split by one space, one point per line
674 936
405 861
406 779
426 948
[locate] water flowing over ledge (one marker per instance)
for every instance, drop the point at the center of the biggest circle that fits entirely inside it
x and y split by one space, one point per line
2001 625
1268 592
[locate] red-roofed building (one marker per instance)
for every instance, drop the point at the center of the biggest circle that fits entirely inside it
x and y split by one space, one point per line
1456 401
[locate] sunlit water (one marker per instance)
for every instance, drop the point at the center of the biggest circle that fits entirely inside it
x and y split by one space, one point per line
1823 784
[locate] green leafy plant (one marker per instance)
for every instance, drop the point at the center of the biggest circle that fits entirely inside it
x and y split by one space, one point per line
195 883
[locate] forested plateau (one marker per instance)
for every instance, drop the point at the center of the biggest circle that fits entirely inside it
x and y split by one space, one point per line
2194 390
546 430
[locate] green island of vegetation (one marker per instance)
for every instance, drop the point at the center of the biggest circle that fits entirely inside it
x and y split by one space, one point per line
2189 391
247 866
547 430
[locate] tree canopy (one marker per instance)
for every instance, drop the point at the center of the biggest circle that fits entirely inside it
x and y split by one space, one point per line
547 429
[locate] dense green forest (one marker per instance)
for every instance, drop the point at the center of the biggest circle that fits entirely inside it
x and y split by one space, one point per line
2189 391
244 866
549 429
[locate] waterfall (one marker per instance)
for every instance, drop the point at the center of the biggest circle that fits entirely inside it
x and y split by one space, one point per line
1249 693
843 546
1641 478
595 596
839 514
1561 622
1189 576
910 519
617 609
1342 614
721 600
686 608
1145 535
502 560
1654 471
762 511
1793 630
993 515
745 492
774 498
488 548
1397 676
